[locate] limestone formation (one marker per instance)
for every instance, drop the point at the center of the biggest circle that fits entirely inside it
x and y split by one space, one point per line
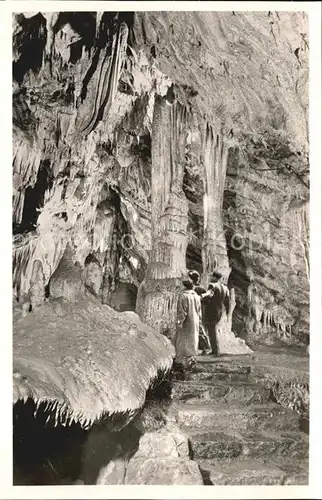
114 105
146 143
81 360
227 342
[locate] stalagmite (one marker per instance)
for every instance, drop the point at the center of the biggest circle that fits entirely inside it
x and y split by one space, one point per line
227 343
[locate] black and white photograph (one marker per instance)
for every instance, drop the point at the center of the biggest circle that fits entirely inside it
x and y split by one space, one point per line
161 245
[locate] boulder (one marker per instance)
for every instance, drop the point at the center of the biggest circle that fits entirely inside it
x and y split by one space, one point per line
163 471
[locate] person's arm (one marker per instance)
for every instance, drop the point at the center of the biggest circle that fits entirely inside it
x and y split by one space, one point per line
206 295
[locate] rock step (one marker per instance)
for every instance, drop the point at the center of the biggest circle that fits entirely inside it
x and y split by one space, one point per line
254 472
212 377
270 417
218 445
217 367
245 393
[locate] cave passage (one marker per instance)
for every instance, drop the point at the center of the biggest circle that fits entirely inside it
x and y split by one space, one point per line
124 297
194 258
34 199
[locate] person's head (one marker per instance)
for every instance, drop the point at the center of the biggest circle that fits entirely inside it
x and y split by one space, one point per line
188 283
194 276
216 276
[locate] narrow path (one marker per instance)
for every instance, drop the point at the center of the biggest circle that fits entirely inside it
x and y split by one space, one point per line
237 434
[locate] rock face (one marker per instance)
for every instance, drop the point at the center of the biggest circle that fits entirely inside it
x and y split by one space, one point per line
147 142
162 458
268 250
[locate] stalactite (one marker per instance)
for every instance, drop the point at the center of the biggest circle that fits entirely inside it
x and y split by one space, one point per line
22 256
108 79
103 230
303 225
51 19
99 15
215 155
47 249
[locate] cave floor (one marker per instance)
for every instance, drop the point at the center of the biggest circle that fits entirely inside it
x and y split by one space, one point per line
238 433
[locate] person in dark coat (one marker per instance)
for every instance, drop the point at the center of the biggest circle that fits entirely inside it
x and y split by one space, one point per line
213 307
204 342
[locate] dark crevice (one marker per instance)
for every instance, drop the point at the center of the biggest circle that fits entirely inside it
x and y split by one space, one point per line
30 41
194 258
143 147
192 185
44 454
89 75
205 477
91 259
153 52
119 294
22 117
34 199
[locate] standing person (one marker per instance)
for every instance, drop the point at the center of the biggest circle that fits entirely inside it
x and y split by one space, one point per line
188 318
204 341
214 305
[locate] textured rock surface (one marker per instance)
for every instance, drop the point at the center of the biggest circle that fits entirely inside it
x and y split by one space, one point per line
85 360
164 443
159 457
226 341
210 106
163 471
269 253
163 458
237 435
253 473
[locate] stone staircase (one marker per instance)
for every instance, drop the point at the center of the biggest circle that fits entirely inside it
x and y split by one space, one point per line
237 434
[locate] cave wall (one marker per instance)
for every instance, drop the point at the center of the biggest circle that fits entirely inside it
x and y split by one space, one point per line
124 127
267 218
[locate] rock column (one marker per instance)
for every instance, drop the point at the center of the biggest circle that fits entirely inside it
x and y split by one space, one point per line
214 251
157 295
